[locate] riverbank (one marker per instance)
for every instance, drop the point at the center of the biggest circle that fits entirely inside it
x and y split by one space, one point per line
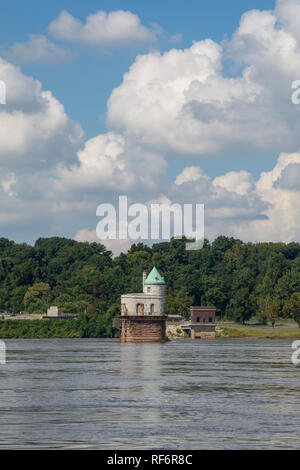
100 327
85 327
281 331
287 330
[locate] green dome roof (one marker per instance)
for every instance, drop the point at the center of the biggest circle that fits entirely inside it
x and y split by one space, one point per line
154 278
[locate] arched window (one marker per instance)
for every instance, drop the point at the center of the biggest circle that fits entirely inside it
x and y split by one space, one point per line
152 309
140 309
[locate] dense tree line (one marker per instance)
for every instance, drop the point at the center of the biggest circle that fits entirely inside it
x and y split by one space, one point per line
242 280
99 326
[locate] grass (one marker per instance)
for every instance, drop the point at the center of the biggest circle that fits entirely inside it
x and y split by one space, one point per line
284 329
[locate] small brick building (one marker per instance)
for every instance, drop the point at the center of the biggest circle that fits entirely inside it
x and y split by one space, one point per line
203 322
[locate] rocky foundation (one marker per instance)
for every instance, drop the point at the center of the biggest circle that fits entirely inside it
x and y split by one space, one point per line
142 329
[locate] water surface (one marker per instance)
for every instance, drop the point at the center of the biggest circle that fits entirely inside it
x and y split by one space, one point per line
99 394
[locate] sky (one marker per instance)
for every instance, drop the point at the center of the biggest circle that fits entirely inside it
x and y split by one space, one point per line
173 101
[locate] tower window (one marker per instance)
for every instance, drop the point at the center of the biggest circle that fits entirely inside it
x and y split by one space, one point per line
140 309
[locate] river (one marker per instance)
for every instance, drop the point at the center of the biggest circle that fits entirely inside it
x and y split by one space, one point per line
100 394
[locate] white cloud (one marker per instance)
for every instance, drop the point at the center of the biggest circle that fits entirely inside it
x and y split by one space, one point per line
225 203
7 185
35 135
35 131
290 177
37 48
283 215
116 27
288 13
239 182
190 173
223 206
109 163
183 102
236 205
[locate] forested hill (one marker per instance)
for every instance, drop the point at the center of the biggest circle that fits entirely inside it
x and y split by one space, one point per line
240 279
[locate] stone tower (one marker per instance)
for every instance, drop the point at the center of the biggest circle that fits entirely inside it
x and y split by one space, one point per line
143 316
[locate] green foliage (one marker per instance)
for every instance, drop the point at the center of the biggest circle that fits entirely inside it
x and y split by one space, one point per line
292 307
83 327
271 311
234 276
37 297
178 304
91 310
241 306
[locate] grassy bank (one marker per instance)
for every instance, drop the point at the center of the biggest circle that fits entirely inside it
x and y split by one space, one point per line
75 328
287 330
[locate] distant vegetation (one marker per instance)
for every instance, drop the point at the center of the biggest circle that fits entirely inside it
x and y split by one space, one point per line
83 327
243 280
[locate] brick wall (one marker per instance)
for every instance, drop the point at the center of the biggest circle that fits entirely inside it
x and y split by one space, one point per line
204 314
143 329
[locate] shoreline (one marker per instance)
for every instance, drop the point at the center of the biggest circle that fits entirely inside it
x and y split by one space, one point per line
258 332
71 328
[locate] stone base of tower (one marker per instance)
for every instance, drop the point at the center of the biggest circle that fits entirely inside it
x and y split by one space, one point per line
142 329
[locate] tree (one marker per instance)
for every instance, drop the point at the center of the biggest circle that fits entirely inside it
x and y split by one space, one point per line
241 306
292 307
179 304
91 310
271 311
37 297
234 276
17 298
288 284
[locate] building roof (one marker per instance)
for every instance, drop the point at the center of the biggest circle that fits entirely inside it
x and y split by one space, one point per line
154 278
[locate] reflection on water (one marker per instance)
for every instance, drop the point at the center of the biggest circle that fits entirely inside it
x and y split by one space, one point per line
222 394
141 361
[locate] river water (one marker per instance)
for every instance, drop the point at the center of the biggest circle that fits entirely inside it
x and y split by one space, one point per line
99 394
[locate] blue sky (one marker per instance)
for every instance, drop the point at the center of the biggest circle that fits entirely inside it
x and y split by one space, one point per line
211 123
85 83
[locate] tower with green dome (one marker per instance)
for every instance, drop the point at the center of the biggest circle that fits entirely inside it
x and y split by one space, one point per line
143 314
154 283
